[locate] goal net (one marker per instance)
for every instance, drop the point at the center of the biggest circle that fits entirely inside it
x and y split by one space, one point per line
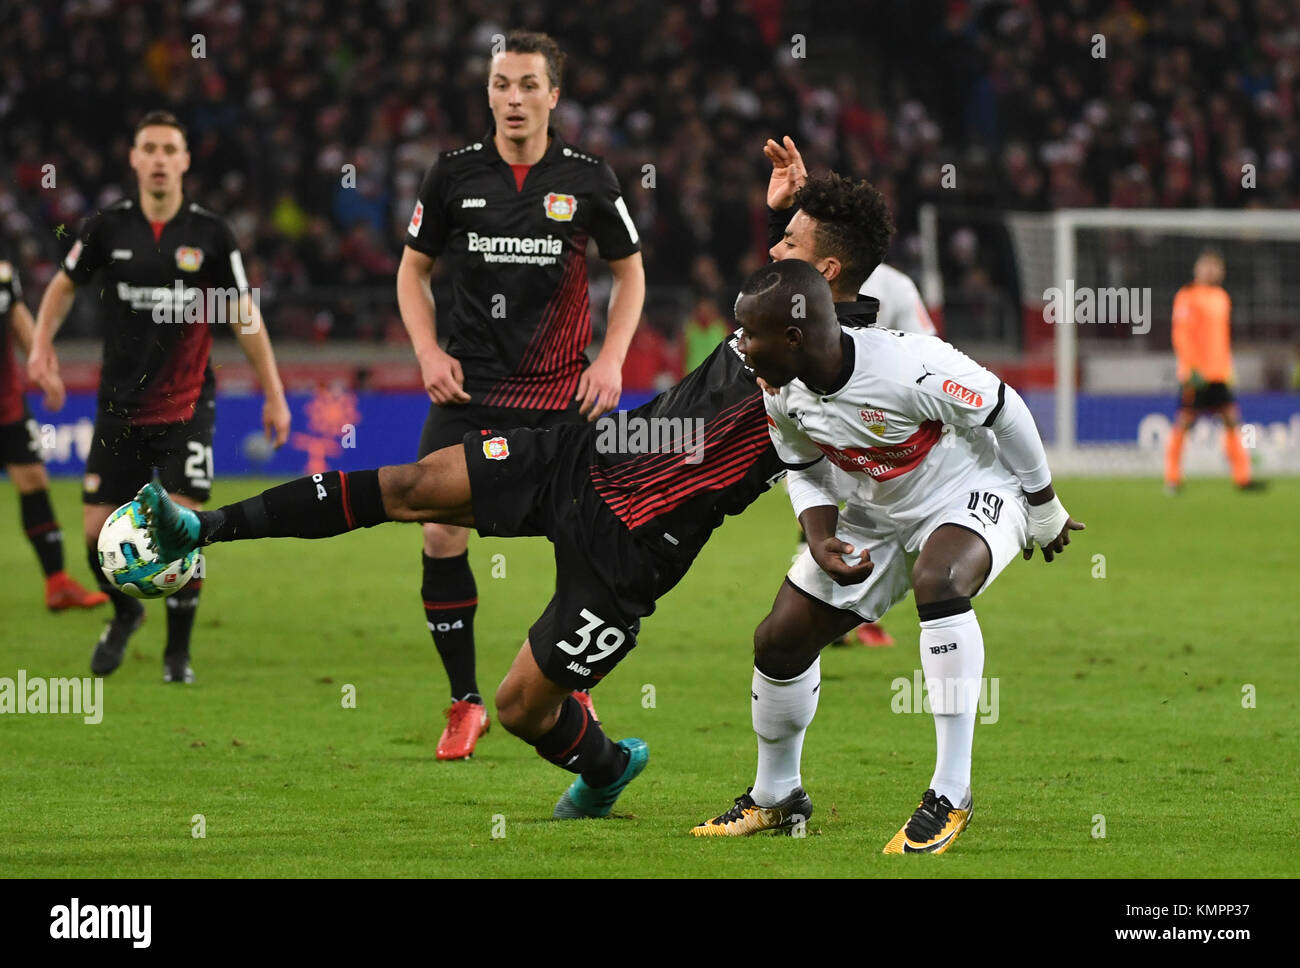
1097 286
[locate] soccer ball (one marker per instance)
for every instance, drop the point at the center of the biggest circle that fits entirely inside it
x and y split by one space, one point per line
127 558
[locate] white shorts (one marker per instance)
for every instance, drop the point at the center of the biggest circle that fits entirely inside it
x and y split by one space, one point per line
996 513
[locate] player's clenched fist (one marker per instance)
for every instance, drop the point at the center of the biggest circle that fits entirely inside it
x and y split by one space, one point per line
841 561
443 379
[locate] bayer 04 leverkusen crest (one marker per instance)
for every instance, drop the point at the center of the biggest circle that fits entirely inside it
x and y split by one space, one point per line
188 258
560 207
496 448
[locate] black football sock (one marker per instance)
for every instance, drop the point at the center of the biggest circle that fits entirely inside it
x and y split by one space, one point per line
42 530
577 744
182 608
319 506
450 600
124 606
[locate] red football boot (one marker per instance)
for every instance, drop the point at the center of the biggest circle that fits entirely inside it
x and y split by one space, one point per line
466 722
872 634
63 592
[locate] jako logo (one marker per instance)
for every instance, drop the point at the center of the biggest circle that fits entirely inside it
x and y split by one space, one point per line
581 670
103 921
473 203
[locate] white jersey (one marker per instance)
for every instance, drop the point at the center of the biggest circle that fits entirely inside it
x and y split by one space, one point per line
906 426
901 306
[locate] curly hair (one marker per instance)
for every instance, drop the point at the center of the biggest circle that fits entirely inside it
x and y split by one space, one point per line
853 223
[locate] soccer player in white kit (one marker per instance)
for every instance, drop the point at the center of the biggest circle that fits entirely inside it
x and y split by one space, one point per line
826 225
901 306
946 481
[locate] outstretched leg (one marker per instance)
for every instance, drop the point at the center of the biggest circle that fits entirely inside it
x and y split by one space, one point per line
320 506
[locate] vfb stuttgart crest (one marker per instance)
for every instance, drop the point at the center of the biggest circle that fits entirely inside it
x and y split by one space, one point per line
560 207
496 448
188 259
874 419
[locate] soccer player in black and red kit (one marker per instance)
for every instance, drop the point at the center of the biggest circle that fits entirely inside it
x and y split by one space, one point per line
513 214
20 448
626 524
156 386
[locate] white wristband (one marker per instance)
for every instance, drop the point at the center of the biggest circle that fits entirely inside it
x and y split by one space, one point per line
1046 521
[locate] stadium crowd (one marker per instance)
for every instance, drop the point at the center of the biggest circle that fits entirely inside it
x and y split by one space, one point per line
312 121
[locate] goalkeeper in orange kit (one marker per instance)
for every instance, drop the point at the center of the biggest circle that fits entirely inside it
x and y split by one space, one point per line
1201 343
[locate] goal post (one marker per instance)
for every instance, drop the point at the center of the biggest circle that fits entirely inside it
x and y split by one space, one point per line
1155 249
1089 339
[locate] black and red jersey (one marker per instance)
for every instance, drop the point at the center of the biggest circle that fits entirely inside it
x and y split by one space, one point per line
160 287
11 378
671 470
520 319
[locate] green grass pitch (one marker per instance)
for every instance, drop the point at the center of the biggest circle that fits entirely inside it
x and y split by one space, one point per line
1124 685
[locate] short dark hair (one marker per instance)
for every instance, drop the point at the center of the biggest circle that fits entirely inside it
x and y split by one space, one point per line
164 118
853 223
535 42
774 287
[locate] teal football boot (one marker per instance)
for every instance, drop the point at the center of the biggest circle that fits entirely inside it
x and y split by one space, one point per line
581 800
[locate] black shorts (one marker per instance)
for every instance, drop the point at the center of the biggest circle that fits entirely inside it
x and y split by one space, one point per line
122 458
20 441
537 482
1206 396
446 426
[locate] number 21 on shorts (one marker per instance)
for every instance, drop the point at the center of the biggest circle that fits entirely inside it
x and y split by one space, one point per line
607 642
198 466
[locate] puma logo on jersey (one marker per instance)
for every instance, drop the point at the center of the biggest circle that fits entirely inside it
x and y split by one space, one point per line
923 375
473 203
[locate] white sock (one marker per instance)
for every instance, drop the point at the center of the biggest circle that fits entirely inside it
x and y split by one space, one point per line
782 710
952 682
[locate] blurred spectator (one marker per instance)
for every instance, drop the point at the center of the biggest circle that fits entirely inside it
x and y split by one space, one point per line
310 130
